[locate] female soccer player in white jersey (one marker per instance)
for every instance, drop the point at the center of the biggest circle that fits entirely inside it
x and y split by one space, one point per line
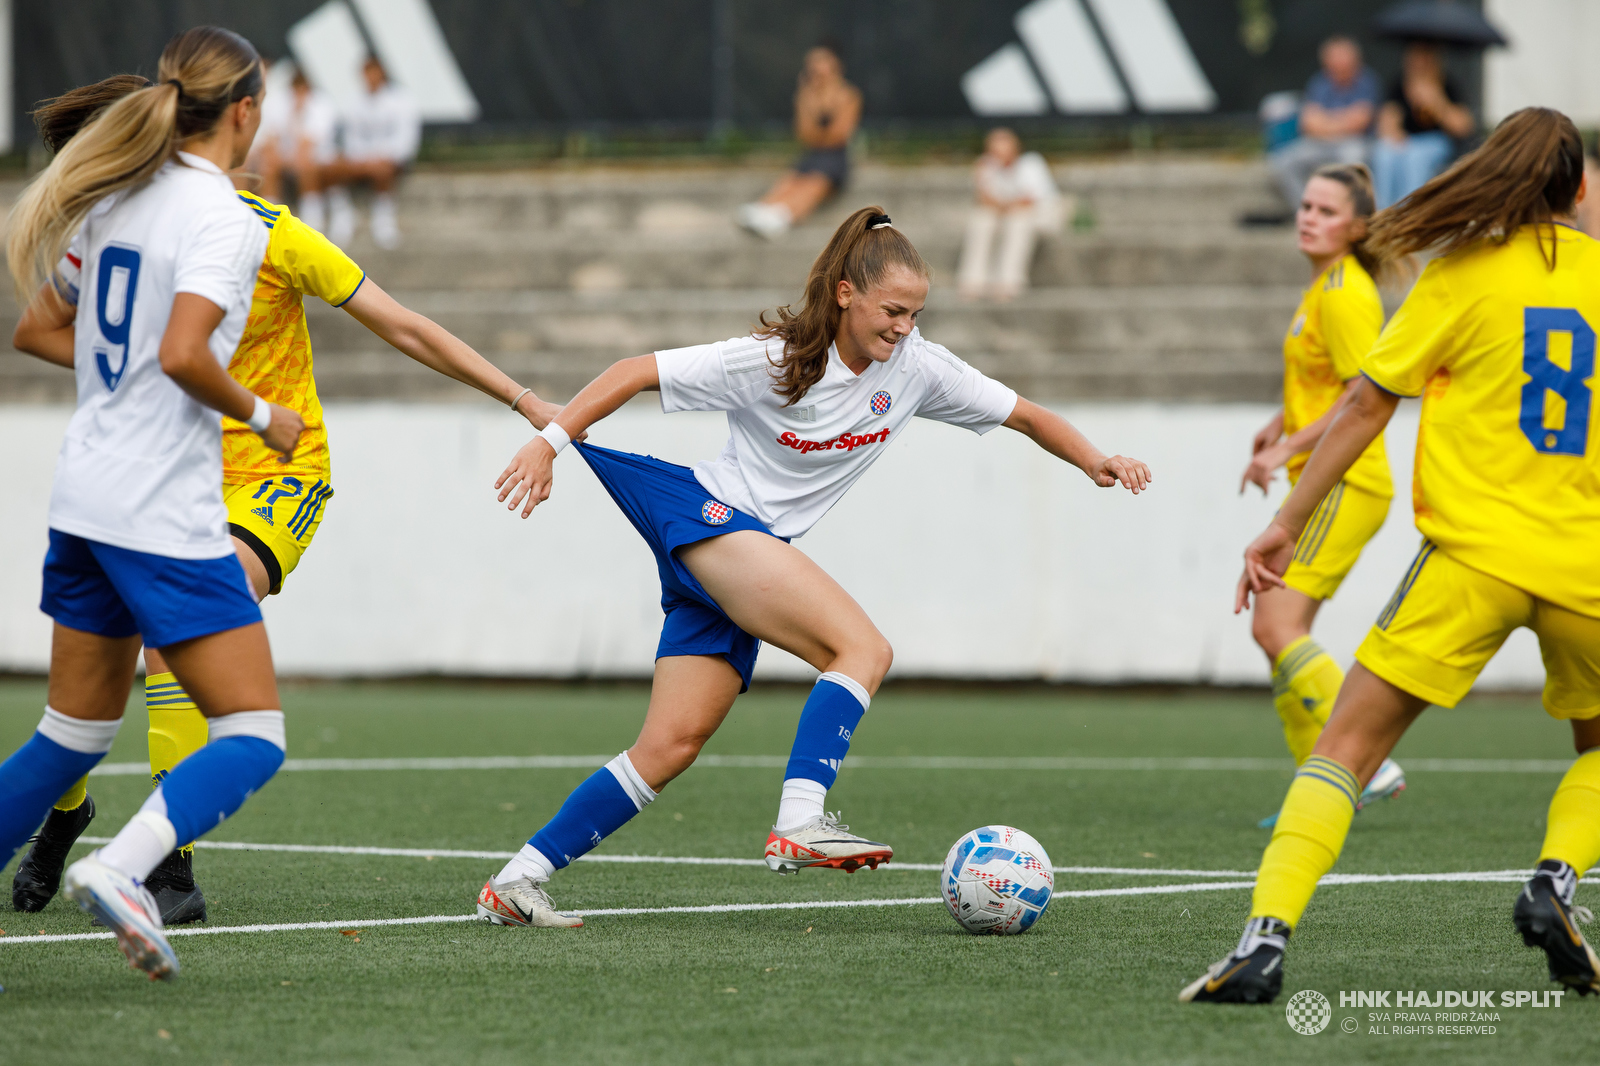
138 217
1335 325
812 401
1498 337
274 360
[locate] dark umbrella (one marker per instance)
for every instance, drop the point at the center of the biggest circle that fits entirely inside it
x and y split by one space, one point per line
1439 22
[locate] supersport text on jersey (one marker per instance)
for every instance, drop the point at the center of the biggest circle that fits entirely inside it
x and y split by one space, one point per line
766 469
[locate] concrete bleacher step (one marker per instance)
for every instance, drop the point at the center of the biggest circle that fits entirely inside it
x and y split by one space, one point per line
554 274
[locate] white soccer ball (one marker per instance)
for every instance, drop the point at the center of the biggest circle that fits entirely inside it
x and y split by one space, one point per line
997 880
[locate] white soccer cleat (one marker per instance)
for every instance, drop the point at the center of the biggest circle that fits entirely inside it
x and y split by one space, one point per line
823 842
522 902
1389 781
123 905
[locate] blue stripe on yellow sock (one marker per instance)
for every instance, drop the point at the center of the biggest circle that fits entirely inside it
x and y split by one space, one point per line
1325 769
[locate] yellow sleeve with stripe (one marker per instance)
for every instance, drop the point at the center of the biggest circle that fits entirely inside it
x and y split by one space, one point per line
1352 318
1419 340
310 263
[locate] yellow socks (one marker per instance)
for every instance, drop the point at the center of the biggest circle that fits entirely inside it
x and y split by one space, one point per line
1305 680
1306 842
177 728
1572 830
75 795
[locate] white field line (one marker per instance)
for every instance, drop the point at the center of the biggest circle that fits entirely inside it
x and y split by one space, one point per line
695 860
881 762
667 860
734 908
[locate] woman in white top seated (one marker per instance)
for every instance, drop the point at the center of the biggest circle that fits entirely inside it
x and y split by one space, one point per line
382 131
1017 201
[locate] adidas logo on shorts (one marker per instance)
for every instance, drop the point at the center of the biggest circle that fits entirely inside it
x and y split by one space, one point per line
263 513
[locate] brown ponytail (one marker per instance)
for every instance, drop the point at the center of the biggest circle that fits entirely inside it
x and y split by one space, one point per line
1357 181
202 72
59 118
1526 173
857 253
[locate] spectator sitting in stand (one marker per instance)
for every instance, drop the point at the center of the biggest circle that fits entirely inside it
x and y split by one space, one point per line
1017 196
1336 119
1419 126
299 145
382 131
827 110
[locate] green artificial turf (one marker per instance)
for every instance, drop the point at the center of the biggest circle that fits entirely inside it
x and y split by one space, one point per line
1094 981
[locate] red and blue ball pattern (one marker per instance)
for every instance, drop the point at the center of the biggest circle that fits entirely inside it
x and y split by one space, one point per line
714 513
881 402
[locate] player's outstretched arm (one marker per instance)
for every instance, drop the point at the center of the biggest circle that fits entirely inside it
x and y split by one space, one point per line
1365 413
46 328
1061 439
527 479
437 348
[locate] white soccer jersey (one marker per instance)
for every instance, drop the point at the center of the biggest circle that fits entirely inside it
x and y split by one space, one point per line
788 465
383 125
141 465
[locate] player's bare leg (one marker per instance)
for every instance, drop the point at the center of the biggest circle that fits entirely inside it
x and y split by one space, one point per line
774 592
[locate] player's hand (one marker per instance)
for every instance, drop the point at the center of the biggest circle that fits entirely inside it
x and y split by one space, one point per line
283 432
1267 435
1265 560
527 480
1262 467
1134 475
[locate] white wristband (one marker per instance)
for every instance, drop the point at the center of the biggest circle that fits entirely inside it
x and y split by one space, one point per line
555 436
261 418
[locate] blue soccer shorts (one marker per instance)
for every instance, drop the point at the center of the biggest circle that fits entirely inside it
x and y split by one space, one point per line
671 509
117 592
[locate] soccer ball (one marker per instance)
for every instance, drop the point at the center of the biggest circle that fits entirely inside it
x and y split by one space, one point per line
997 880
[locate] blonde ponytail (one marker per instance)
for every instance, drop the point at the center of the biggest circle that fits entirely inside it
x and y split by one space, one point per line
201 73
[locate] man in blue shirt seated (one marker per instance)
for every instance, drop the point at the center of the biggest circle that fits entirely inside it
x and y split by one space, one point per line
1336 118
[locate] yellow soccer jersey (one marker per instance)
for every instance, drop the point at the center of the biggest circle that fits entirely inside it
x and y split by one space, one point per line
1502 349
274 356
1334 327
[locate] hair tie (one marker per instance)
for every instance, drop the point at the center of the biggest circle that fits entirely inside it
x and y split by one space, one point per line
179 84
878 221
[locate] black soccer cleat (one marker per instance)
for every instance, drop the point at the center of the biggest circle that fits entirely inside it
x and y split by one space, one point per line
1547 918
1253 973
177 896
38 875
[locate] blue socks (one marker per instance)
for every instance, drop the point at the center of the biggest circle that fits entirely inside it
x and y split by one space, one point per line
596 809
827 722
245 750
208 786
57 755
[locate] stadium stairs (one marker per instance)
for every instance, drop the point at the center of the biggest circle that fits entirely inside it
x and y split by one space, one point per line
1156 293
